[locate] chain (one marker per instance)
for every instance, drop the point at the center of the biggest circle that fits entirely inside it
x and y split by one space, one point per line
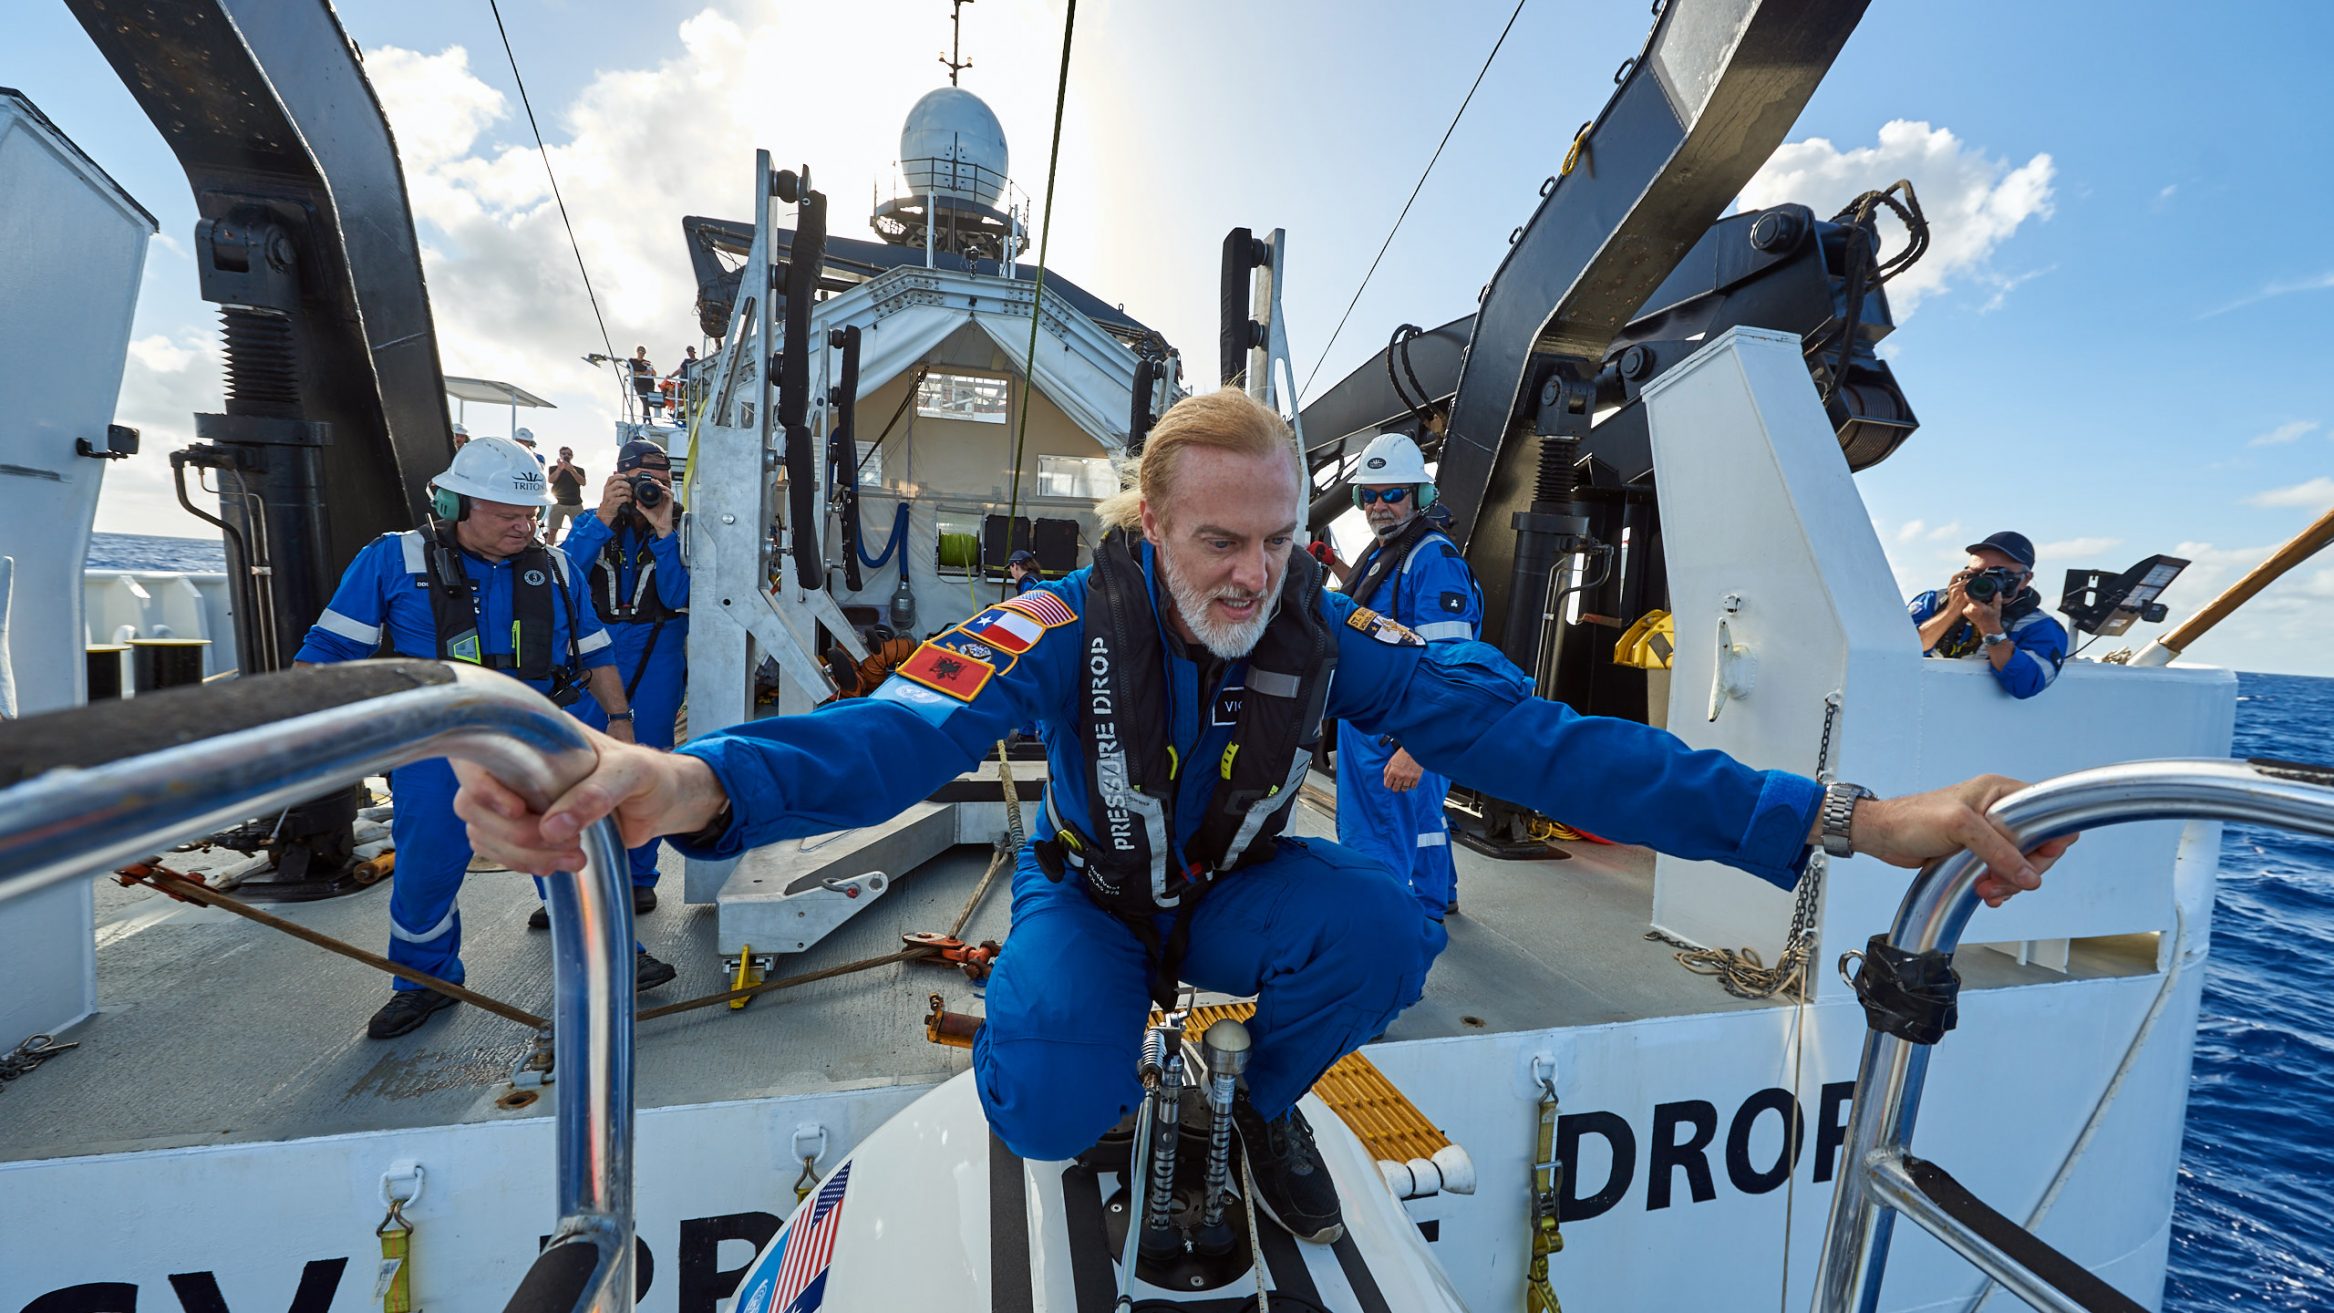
1547 1226
30 1054
1740 971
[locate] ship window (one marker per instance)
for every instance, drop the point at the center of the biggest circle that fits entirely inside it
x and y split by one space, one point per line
973 397
1089 477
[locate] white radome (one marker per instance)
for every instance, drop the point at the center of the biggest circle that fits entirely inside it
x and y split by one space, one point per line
948 125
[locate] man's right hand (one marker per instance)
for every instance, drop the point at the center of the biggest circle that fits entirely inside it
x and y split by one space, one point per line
615 495
650 793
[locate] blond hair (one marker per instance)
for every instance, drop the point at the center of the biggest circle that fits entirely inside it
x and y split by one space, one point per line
1224 420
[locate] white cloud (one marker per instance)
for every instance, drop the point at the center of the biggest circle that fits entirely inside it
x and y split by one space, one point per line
2314 493
1911 531
2271 291
2284 433
1974 202
2073 551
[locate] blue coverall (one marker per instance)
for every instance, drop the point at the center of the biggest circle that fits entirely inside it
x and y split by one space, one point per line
378 597
1433 593
2041 644
656 697
1331 943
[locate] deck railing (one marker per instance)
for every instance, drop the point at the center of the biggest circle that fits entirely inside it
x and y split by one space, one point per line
1907 984
92 789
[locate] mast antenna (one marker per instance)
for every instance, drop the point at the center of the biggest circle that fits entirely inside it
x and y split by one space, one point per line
955 59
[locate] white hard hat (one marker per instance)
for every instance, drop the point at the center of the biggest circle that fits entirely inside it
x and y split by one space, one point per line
461 432
1391 458
524 437
497 470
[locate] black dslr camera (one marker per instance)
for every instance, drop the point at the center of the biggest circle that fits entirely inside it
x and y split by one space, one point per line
1988 584
647 492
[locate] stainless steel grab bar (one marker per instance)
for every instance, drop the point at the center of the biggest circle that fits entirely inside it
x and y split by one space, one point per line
79 822
1881 1178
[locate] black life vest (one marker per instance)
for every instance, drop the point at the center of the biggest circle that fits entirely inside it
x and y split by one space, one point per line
643 605
538 576
1129 861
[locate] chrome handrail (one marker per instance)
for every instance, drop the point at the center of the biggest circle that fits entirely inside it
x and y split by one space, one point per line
84 822
1876 1184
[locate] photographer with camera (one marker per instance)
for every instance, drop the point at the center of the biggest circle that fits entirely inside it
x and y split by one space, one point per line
1990 609
639 585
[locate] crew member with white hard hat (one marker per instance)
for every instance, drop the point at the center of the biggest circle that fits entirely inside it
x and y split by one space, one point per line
473 585
1389 806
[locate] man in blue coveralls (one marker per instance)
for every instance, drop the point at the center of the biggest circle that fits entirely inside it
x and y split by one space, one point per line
474 586
1202 635
1989 609
1388 806
631 562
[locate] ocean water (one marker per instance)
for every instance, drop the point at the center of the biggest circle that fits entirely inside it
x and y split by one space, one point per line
2253 1225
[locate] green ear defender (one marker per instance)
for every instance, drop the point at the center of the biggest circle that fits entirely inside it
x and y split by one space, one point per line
1425 495
452 507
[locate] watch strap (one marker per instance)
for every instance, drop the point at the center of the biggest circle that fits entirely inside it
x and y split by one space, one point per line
1839 815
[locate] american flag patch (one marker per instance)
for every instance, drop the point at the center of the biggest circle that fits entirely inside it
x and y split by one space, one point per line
806 1248
944 670
1007 631
1041 606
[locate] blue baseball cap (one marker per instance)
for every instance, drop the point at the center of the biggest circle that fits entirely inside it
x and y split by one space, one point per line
2014 545
639 452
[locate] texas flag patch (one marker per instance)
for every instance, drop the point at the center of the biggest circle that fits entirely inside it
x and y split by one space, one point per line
946 670
1007 631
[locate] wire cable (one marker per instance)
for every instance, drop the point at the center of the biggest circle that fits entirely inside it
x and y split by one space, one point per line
545 152
1414 191
1045 234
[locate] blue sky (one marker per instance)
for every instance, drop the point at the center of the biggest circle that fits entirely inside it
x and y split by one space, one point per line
2113 347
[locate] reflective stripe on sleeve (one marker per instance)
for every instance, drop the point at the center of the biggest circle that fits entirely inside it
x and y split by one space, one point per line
592 642
356 631
1434 839
1444 629
410 541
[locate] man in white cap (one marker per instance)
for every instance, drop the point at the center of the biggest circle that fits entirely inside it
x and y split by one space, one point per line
1389 806
474 585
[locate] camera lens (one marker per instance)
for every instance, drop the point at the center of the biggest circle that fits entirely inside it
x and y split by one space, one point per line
647 491
1981 588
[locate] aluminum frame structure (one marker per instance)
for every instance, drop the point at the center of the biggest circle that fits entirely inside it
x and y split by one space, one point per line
110 784
1881 1178
739 612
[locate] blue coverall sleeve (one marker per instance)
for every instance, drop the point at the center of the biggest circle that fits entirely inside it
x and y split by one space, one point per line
1441 594
2041 651
1924 606
672 573
862 761
586 535
351 627
592 643
1463 710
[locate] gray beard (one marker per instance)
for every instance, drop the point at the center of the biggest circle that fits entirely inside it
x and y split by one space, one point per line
1225 642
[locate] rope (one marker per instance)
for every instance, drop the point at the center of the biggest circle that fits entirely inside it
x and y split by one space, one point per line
1414 191
1045 235
545 152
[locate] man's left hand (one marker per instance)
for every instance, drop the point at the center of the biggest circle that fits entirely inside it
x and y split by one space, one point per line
659 516
1920 828
1987 616
1402 771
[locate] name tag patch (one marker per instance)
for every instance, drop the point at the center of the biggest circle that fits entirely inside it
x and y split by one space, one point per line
1227 708
1380 628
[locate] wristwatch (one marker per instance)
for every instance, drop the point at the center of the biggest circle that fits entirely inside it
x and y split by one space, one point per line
1996 639
619 715
1839 812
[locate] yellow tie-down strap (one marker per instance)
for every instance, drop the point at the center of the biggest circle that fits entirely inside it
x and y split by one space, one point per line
1388 1124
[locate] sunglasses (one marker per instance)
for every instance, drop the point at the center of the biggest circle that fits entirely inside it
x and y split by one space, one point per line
1371 496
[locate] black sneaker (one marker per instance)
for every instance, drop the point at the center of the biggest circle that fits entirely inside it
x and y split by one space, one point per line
540 918
1292 1183
643 900
649 972
405 1011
